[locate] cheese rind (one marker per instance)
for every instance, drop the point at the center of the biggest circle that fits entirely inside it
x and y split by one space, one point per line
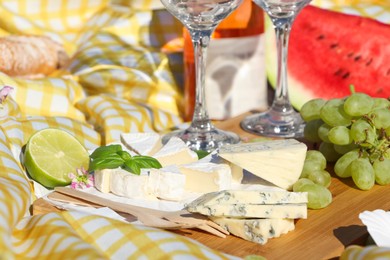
166 183
206 177
288 211
251 197
255 230
278 161
175 151
142 143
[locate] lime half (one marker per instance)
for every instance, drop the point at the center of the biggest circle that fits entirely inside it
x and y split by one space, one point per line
51 154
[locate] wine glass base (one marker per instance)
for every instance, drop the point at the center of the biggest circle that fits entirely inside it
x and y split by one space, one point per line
205 140
274 124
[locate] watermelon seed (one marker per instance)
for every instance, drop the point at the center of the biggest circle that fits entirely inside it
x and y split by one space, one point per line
334 45
321 37
338 72
357 58
346 75
369 62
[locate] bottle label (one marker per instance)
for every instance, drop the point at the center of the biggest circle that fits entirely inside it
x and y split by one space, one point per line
235 76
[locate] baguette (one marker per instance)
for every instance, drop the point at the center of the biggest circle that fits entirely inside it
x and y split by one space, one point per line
30 56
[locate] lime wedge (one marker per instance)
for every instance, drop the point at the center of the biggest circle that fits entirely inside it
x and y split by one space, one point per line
51 154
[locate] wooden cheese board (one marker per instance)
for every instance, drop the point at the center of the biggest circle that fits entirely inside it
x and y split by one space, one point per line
323 235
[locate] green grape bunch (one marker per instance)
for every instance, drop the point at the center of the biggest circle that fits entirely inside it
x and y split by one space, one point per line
354 133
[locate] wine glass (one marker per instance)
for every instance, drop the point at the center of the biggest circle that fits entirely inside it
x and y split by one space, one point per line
201 17
281 120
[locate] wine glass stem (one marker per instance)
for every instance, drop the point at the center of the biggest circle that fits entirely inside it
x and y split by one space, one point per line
281 101
200 40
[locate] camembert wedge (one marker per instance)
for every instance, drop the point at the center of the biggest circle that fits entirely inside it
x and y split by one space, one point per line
175 151
142 143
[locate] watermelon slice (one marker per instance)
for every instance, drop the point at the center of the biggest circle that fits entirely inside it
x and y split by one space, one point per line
329 51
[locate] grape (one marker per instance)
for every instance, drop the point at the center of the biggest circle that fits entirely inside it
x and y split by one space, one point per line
382 171
380 118
363 173
339 135
311 130
318 196
343 149
308 167
358 104
311 109
362 132
327 149
316 156
302 181
381 103
341 167
333 113
323 132
321 177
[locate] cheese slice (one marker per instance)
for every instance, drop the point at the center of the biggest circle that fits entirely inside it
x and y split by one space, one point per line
102 180
206 177
142 143
175 151
255 230
251 197
166 183
127 184
278 161
242 210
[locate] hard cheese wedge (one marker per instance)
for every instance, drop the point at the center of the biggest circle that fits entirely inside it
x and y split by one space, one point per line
243 210
251 197
255 230
175 151
278 161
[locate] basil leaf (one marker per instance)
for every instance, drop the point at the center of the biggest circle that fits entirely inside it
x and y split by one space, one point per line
201 154
110 161
124 155
103 151
132 166
138 162
147 161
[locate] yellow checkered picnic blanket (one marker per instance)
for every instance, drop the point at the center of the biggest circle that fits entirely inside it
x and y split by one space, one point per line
118 81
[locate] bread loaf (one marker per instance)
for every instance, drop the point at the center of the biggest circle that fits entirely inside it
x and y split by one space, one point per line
30 56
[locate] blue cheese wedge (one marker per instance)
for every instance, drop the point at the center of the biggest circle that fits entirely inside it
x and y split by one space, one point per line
251 197
278 161
243 210
255 230
142 143
175 152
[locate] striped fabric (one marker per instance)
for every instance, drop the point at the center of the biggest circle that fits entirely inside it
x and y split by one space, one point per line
119 80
